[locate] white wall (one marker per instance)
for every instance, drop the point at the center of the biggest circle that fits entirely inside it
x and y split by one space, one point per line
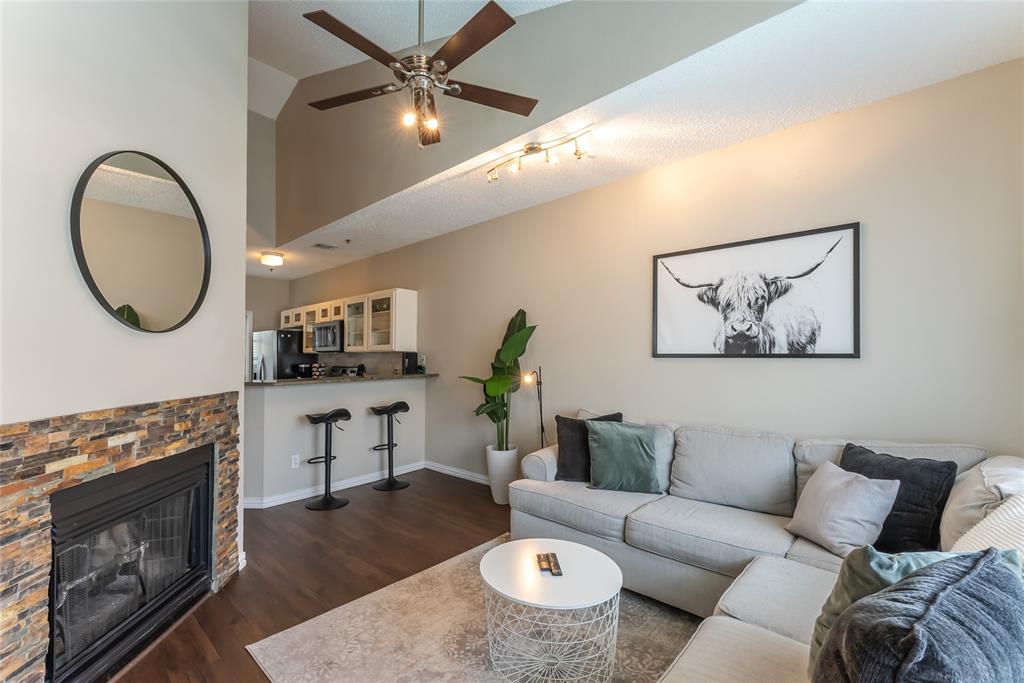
80 79
934 177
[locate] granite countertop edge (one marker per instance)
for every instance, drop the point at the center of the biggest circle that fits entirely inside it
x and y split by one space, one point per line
338 380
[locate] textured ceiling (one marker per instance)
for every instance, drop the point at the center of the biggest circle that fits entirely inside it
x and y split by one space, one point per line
813 60
280 37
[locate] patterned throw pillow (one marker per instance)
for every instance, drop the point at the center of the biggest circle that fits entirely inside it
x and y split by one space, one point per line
1003 528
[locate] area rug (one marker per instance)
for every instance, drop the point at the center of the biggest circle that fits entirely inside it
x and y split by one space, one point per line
431 627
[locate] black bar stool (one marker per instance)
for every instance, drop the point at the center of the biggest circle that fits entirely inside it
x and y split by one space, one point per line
328 420
390 484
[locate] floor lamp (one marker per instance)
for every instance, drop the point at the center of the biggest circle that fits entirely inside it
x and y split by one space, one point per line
531 377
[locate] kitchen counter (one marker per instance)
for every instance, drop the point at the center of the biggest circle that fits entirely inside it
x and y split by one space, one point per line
279 440
337 380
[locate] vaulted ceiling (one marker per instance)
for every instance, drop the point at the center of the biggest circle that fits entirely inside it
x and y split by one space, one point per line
704 81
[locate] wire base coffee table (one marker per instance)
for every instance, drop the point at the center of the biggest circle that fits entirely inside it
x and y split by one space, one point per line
548 629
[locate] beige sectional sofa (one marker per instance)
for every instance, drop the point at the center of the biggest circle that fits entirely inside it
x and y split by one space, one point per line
714 542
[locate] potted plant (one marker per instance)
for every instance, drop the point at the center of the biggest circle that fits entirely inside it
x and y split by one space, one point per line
502 457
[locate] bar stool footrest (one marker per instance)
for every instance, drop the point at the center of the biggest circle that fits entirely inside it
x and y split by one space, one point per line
319 459
384 446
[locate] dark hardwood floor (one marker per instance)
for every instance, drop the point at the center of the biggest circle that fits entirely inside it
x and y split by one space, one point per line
303 563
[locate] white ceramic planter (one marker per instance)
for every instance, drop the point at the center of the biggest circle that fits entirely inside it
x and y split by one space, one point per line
502 470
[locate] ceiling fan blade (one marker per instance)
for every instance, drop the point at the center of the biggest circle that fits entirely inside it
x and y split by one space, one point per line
427 136
329 23
489 23
348 98
517 104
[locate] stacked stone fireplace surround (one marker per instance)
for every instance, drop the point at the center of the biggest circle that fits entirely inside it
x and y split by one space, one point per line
43 456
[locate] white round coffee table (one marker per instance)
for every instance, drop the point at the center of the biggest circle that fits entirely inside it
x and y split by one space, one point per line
543 628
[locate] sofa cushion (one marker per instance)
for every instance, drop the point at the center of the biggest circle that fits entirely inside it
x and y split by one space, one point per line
913 522
866 571
573 447
664 443
780 595
743 469
574 504
622 457
1003 528
713 537
813 554
842 510
960 619
811 453
977 492
725 650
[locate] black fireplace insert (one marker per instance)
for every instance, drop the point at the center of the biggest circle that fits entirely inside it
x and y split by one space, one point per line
131 553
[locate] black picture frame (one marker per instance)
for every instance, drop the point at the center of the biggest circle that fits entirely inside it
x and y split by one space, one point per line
83 265
853 227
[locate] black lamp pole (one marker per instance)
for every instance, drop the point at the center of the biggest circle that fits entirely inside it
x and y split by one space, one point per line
540 404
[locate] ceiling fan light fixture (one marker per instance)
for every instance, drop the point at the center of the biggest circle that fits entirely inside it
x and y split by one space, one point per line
423 74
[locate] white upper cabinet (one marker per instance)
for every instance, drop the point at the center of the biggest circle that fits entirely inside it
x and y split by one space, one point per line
355 323
336 310
392 324
291 318
381 321
308 321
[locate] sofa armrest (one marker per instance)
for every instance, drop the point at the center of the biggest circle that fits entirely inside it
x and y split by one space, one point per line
541 465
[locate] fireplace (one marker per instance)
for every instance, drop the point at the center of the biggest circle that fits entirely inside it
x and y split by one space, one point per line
131 553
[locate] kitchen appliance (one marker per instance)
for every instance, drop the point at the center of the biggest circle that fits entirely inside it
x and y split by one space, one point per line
410 363
276 353
328 337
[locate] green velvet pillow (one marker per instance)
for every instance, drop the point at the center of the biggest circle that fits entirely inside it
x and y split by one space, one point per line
622 457
866 571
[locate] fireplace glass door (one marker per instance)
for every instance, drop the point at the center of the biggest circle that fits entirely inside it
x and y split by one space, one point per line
131 552
108 576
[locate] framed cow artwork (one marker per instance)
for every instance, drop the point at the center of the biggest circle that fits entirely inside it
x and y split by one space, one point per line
792 295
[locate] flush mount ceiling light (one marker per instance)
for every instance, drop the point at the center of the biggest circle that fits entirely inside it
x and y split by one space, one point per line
421 75
272 259
550 149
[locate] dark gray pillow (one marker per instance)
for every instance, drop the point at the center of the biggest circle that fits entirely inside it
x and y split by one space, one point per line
573 448
913 523
960 619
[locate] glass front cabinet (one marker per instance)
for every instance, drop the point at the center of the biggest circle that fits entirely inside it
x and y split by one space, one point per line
355 323
381 321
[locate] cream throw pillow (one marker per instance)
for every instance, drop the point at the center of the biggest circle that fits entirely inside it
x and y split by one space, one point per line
979 491
842 510
1003 528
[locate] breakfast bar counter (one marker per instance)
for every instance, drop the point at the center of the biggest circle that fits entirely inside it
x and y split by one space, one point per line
339 379
278 439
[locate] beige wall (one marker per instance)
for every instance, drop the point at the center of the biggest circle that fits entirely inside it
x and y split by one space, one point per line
934 177
266 298
80 80
148 259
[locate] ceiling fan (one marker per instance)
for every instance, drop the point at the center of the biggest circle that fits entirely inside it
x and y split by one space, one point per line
422 74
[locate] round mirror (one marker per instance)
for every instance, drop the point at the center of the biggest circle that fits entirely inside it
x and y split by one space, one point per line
140 241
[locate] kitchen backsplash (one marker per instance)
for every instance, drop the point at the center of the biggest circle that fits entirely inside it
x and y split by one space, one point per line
376 363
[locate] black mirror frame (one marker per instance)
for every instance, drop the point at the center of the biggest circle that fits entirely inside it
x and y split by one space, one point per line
83 266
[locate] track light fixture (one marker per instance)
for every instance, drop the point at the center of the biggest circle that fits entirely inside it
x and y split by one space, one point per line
514 161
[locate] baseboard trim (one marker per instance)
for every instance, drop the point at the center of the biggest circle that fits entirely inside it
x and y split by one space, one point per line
241 561
302 494
457 472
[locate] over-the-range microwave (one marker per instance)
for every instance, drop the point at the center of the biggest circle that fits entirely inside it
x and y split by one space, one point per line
328 337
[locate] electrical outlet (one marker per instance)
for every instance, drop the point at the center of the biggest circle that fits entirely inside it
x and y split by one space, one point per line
295 461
